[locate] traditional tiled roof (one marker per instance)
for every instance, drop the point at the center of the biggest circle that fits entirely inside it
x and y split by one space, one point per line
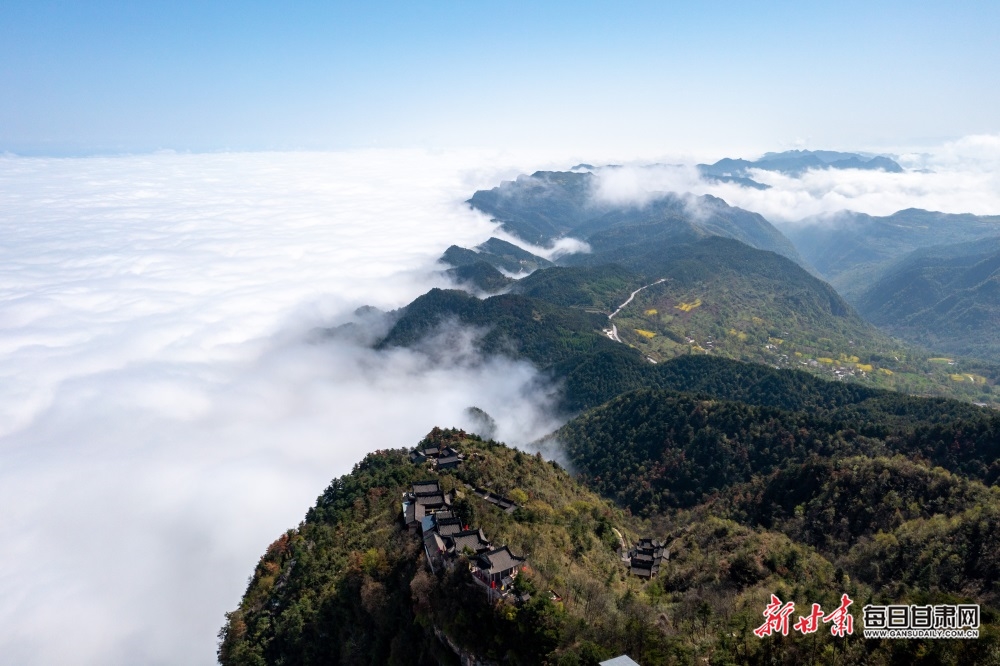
503 503
443 457
437 499
431 486
645 558
426 498
426 503
499 561
449 528
434 543
474 540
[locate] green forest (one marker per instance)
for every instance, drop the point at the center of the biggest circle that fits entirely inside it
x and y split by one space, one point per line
350 585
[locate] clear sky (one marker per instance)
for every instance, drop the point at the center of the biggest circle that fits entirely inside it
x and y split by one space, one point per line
631 78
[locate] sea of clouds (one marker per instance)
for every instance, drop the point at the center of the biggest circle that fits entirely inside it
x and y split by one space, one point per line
166 409
166 406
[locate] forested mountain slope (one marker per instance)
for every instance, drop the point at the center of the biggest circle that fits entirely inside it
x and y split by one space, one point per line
715 296
350 585
851 249
946 298
549 205
911 506
662 449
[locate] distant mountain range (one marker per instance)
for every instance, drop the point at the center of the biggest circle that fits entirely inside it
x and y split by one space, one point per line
716 279
945 297
851 249
793 163
549 205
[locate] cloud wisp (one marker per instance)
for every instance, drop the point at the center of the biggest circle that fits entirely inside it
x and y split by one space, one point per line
637 185
166 409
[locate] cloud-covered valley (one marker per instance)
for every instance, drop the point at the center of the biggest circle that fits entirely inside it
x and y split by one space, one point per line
166 407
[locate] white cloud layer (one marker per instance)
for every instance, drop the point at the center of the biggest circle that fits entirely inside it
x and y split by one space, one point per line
163 412
962 176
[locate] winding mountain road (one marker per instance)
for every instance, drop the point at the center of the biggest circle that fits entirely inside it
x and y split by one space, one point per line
611 316
613 331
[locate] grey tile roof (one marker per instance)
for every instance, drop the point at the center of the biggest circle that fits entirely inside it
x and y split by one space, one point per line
434 543
409 512
474 540
449 528
433 500
499 560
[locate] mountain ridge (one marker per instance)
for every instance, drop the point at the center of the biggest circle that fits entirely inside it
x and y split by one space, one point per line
549 205
792 163
851 249
942 297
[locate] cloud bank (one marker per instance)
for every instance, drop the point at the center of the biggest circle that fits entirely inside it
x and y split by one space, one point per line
166 409
962 176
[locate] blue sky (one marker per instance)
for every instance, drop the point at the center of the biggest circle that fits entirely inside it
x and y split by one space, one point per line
642 78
